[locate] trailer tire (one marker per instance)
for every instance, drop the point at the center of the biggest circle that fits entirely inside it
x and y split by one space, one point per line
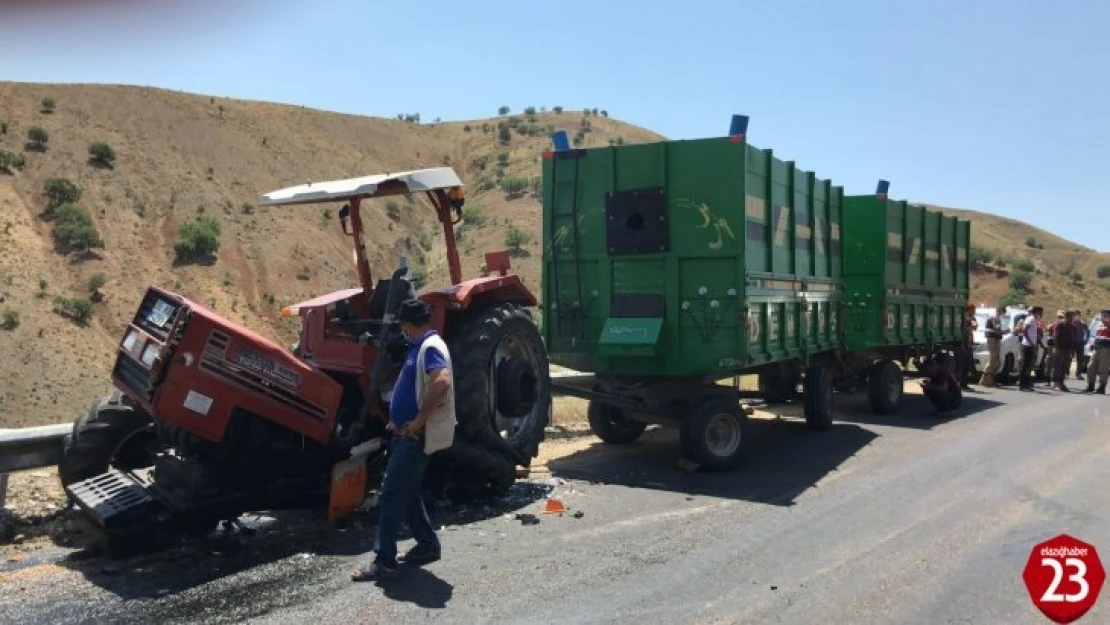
610 425
884 387
516 391
114 433
818 398
777 385
715 434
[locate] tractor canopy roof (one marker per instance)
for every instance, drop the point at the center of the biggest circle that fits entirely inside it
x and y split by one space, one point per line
380 185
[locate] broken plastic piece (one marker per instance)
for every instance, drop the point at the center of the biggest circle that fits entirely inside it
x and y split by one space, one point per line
554 506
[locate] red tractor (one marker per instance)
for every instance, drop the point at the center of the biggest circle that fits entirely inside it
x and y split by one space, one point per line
210 420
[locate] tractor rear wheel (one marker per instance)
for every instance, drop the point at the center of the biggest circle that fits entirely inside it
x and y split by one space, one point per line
502 393
114 433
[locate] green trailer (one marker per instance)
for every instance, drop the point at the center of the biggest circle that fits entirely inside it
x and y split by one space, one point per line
906 285
671 266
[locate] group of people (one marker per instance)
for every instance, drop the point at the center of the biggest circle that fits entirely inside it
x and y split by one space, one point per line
1063 342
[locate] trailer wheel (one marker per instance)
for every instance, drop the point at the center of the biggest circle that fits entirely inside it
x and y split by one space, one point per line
610 425
884 387
715 433
818 398
112 434
777 385
502 392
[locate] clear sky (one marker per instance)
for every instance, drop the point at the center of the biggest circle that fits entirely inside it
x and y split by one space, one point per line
995 105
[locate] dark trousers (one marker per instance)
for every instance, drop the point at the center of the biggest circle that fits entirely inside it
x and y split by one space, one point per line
1028 355
942 399
401 500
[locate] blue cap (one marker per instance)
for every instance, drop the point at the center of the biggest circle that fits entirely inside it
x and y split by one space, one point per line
561 141
739 125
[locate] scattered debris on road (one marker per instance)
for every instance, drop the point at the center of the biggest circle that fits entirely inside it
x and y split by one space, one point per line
527 519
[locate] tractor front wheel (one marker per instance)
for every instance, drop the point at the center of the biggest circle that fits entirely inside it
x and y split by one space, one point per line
112 434
502 393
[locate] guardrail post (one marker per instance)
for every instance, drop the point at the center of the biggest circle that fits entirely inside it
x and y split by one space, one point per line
3 489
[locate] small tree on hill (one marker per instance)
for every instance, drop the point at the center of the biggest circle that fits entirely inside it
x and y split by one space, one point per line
96 282
504 110
504 134
38 136
1012 298
514 186
515 238
197 239
74 229
980 256
1021 280
60 191
1104 271
1025 265
557 109
11 319
47 105
102 153
10 162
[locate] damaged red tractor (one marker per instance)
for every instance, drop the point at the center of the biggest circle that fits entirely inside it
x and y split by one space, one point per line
209 420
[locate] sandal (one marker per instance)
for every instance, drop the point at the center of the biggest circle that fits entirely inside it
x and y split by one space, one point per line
373 573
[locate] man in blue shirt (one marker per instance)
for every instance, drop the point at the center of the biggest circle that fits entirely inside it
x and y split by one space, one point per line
414 403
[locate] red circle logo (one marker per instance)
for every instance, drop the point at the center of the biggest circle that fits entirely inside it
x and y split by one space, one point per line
1064 577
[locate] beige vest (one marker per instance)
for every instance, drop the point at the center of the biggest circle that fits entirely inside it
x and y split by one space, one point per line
439 431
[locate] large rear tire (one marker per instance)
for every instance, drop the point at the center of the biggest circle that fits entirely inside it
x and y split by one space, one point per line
502 394
715 434
114 433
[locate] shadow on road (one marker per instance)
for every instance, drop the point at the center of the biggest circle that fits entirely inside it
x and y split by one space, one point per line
785 459
419 587
283 539
916 411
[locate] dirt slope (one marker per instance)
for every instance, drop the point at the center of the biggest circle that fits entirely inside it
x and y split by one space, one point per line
180 156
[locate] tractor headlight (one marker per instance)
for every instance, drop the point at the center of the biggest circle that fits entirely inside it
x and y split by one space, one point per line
150 352
130 340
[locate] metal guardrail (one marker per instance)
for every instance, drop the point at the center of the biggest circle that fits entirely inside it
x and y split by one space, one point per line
24 449
29 448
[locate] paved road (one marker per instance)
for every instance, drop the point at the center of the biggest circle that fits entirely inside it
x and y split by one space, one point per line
880 520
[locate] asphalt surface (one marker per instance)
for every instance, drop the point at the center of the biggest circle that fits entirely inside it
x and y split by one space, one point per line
903 519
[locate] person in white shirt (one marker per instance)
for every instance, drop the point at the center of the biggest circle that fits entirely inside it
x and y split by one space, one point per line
1030 339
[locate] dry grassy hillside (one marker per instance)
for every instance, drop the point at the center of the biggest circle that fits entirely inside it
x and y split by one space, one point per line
1064 274
179 156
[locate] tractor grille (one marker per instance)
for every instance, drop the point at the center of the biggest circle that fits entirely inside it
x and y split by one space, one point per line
214 361
134 375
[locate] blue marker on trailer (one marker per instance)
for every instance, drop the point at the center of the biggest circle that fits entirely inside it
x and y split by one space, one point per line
738 130
560 140
882 189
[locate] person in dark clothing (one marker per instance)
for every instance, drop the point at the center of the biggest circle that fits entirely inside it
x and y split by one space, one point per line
941 387
1031 338
1067 339
1081 357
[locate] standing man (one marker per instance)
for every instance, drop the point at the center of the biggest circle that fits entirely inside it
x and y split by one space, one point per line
1081 351
1100 359
1067 339
971 324
1050 349
993 332
422 419
1030 339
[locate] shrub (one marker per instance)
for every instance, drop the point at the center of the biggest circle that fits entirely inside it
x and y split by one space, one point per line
102 153
96 282
514 186
393 209
503 158
197 239
1033 243
247 208
604 113
1012 298
10 161
1021 280
557 109
980 256
473 216
47 105
60 191
466 128
1104 271
505 134
1025 265
3 128
77 308
504 110
304 273
74 229
11 319
38 136
530 110
515 237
